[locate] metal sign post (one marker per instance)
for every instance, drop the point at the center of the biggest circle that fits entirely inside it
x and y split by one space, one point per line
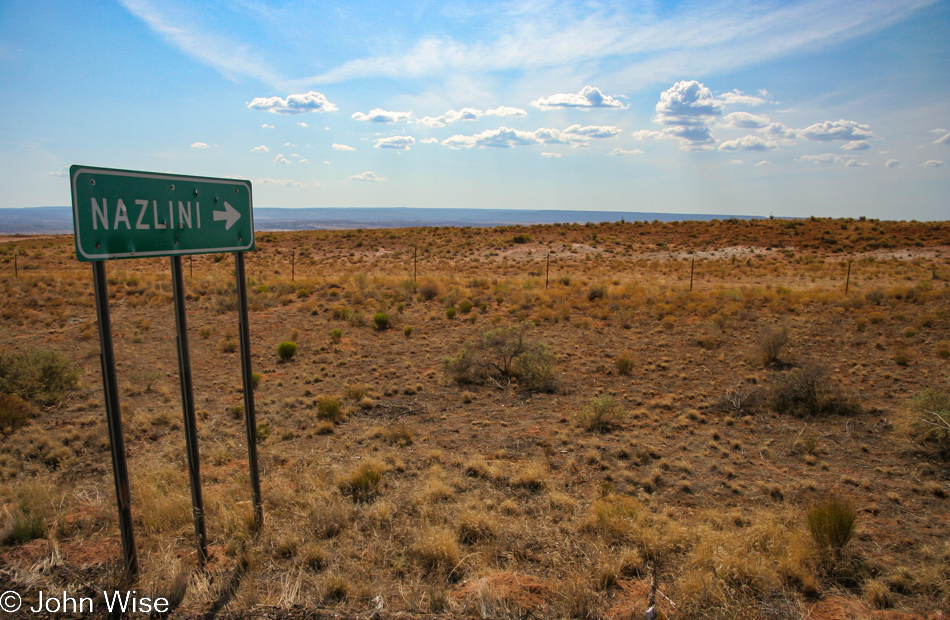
188 409
128 214
110 386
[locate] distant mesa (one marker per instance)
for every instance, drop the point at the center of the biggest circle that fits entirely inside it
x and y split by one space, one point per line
58 220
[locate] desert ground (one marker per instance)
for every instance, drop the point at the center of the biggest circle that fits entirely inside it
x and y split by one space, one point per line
683 400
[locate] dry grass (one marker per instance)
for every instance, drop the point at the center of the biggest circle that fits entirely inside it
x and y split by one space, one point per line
384 478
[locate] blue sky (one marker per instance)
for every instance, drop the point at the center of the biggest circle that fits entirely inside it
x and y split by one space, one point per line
792 108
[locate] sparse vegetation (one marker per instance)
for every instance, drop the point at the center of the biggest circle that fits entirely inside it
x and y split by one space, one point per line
601 413
287 350
931 422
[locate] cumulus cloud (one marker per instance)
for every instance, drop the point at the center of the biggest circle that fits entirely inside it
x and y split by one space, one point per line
748 143
260 149
468 114
686 109
892 163
763 164
736 162
199 145
744 120
932 163
825 158
506 111
401 143
778 130
504 137
382 116
589 97
287 183
546 154
853 163
62 172
687 104
304 125
945 139
837 130
856 145
593 131
618 152
342 147
736 97
367 176
646 134
429 141
294 104
266 126
280 159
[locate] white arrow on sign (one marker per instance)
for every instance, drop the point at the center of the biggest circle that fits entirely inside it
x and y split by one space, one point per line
230 214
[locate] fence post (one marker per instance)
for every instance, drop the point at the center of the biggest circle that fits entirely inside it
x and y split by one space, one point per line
692 265
547 271
293 264
847 282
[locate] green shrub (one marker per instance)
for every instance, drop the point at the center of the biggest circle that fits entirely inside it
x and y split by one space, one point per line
336 335
624 364
931 423
381 320
465 306
502 354
521 238
450 312
407 331
601 413
287 350
263 431
831 524
810 391
14 412
255 380
596 292
329 408
429 291
44 377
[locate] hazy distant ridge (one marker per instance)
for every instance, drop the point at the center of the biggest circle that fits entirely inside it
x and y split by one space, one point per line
58 220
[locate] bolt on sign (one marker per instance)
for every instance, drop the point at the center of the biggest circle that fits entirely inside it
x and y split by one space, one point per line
126 214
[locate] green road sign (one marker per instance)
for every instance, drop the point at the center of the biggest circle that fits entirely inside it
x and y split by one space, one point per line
128 214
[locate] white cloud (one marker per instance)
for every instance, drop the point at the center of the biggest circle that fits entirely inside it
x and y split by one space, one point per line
294 104
837 130
646 134
576 136
546 154
304 125
778 130
468 114
945 139
367 176
326 162
748 143
503 137
260 149
856 145
280 159
737 97
736 162
940 130
303 161
62 172
618 152
853 163
686 109
506 111
932 163
763 164
826 158
199 145
287 183
429 141
342 147
589 97
266 126
687 104
892 163
593 131
382 116
744 120
401 143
